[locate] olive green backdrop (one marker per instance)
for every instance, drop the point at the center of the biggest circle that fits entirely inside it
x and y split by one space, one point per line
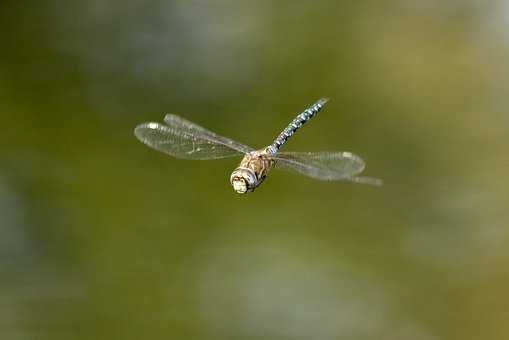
104 238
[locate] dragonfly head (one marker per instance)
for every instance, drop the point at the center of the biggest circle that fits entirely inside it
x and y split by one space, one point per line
243 180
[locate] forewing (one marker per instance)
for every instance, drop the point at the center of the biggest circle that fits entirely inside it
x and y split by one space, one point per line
187 143
182 124
327 166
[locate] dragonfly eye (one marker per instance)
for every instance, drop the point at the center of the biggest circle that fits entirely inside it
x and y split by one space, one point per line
243 180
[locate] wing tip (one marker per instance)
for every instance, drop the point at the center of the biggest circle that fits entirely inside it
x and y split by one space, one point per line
140 129
377 182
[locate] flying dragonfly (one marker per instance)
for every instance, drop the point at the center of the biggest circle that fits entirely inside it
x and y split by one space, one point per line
183 139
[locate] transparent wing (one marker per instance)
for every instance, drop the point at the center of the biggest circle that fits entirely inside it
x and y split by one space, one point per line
327 166
180 123
183 139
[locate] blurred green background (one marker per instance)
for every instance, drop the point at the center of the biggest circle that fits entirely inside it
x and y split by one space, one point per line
104 238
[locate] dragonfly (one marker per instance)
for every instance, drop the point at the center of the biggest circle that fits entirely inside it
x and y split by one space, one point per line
181 138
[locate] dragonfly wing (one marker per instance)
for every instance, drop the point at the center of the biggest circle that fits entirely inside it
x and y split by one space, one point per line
187 143
327 166
180 123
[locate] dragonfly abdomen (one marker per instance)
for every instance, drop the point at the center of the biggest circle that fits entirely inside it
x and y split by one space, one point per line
295 124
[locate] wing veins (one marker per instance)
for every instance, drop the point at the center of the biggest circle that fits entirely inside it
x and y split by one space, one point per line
322 165
177 122
177 141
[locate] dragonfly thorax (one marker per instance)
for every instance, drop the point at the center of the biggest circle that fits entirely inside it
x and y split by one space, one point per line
251 172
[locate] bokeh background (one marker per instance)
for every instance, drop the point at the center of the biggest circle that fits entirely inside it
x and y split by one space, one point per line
104 238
